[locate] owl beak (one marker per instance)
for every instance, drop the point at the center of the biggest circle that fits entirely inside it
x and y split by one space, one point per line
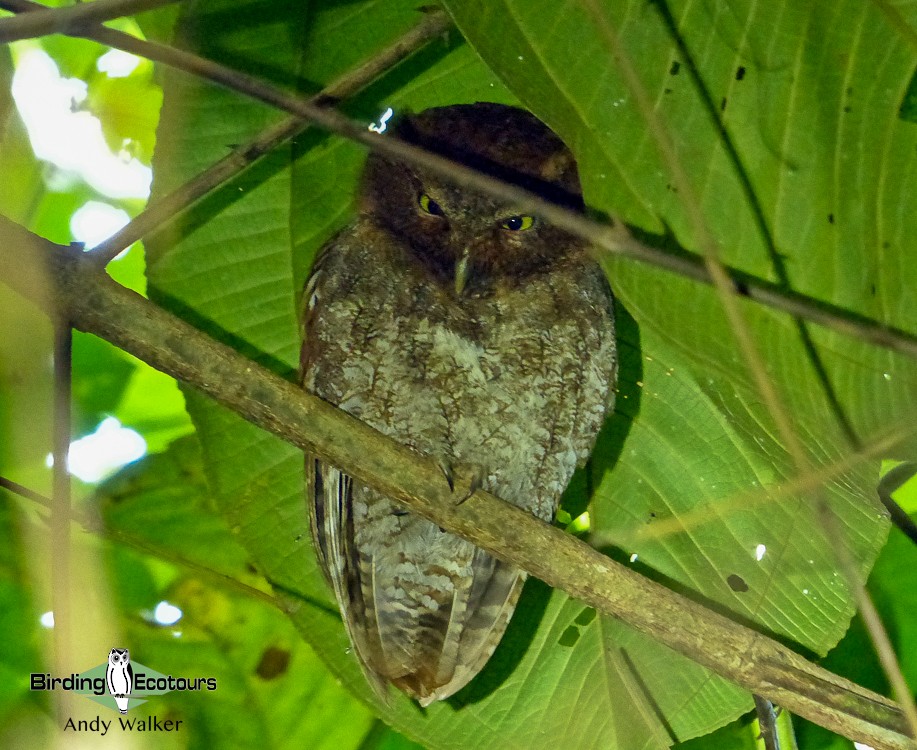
461 272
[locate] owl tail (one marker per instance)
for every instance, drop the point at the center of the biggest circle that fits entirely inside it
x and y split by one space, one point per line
424 609
446 648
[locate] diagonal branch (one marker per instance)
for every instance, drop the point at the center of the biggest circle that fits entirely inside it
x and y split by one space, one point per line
46 273
72 18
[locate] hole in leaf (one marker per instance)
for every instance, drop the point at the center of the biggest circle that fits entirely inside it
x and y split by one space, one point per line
274 662
569 637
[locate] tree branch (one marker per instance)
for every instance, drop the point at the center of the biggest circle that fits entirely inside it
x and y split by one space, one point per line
60 502
72 18
46 274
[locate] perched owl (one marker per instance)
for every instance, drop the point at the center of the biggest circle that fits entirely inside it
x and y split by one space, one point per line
472 333
120 677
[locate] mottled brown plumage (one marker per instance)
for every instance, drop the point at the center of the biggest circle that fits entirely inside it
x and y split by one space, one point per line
470 333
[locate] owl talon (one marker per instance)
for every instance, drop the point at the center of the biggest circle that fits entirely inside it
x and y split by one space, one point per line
446 468
476 484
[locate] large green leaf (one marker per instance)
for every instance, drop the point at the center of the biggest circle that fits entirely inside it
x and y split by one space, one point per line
690 430
788 128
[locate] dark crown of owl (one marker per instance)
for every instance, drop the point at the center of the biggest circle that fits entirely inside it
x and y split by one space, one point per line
504 142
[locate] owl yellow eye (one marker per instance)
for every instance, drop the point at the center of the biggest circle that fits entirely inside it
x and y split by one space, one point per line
518 223
430 206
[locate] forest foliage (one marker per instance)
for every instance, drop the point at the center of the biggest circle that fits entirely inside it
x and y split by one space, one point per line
794 126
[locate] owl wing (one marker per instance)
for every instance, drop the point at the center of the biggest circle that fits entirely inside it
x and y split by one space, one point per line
329 493
330 496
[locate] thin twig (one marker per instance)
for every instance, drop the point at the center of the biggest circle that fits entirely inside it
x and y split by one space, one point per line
168 207
767 723
610 239
807 482
23 491
42 272
41 20
60 506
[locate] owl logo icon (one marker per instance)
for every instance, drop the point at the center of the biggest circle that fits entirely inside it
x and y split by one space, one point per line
120 677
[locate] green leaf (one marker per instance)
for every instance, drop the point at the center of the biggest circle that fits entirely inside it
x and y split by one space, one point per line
17 163
101 375
161 503
685 498
128 109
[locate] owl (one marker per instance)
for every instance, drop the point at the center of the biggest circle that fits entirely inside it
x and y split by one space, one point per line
120 677
470 332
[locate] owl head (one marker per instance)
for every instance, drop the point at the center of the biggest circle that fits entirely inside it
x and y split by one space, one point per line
466 239
118 657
